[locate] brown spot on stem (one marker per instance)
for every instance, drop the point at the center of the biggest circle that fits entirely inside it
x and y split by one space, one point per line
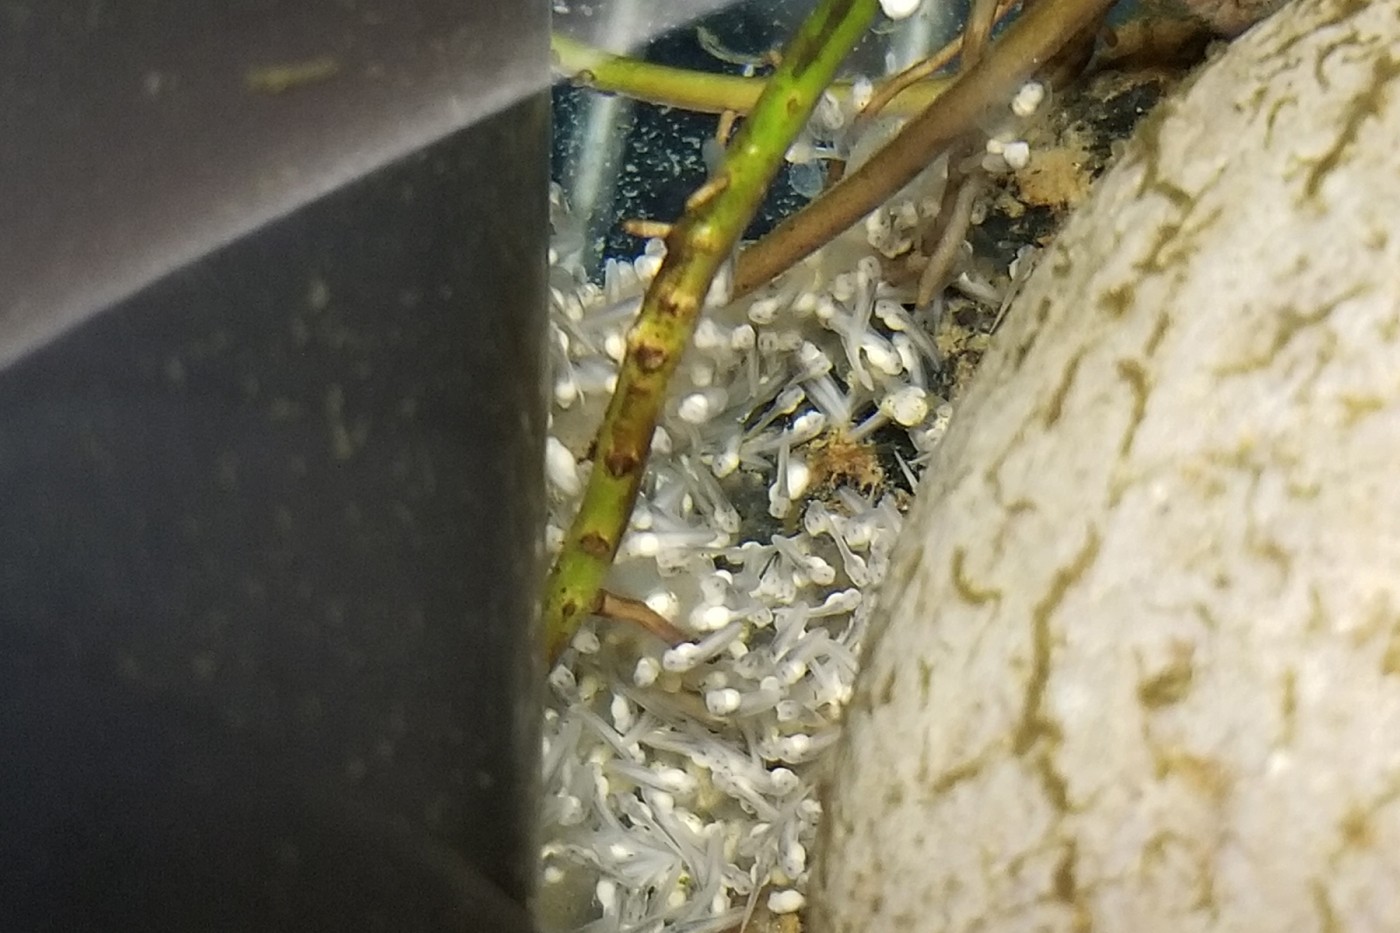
674 303
620 463
650 357
595 546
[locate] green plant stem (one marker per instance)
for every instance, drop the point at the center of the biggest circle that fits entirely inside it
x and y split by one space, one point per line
700 91
696 249
1040 32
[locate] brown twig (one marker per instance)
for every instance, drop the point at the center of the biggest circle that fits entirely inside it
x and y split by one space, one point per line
940 261
980 20
1031 40
963 185
926 68
610 605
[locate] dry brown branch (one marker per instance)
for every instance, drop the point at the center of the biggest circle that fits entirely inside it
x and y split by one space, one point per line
625 609
922 69
1030 41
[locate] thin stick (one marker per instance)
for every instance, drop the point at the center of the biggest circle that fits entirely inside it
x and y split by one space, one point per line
1038 34
921 70
610 605
980 20
698 246
700 91
962 187
950 241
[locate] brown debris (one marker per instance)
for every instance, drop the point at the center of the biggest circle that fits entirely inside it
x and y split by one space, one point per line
835 461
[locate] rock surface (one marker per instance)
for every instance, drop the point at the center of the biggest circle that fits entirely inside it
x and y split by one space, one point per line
1139 665
1232 17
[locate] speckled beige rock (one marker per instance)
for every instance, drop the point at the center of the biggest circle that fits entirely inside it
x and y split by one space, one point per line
1140 664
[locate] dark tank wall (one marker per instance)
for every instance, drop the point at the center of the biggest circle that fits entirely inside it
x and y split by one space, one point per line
268 536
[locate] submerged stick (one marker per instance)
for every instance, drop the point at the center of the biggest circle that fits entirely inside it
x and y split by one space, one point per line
696 249
1045 28
955 216
922 70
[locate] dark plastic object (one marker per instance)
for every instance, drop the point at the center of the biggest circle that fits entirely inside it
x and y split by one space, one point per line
271 412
